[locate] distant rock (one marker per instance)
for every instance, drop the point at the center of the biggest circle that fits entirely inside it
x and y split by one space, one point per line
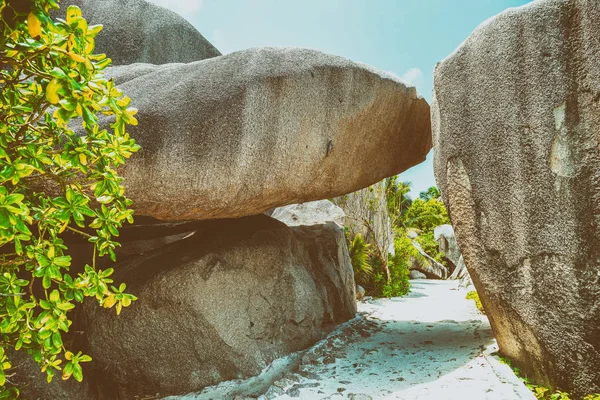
367 214
136 31
516 128
220 305
444 235
427 264
414 274
360 292
311 213
239 134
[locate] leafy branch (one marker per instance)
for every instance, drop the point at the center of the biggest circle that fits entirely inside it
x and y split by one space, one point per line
55 179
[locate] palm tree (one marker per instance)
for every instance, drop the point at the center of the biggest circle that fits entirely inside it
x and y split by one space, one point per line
397 197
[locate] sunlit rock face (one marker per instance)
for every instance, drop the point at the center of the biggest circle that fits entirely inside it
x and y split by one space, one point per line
239 134
516 122
219 304
136 31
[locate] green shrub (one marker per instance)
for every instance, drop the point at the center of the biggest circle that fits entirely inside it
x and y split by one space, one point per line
399 284
54 180
430 246
369 271
473 295
425 215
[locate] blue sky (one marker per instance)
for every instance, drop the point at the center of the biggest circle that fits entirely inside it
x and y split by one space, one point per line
406 37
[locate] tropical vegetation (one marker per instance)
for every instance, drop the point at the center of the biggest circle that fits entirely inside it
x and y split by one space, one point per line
390 276
58 177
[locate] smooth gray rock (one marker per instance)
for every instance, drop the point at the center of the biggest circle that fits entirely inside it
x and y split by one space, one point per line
311 213
414 274
220 305
360 292
516 130
444 235
136 31
239 134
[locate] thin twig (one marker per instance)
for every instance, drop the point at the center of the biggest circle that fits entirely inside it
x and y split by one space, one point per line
87 235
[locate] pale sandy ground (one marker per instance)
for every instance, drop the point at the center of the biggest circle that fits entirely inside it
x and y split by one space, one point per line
433 344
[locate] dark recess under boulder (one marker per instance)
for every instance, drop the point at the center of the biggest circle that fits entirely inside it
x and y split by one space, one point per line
218 305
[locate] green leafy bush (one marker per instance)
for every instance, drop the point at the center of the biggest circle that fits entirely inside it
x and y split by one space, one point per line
369 270
376 283
430 246
473 295
399 284
54 180
425 215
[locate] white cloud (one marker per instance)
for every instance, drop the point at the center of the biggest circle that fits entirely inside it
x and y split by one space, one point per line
182 7
413 76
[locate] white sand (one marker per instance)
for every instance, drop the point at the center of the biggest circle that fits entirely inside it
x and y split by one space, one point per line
433 344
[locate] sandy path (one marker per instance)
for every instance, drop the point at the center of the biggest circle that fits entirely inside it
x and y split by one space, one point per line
432 344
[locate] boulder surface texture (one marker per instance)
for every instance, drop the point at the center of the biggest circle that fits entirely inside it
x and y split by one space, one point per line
239 134
311 213
516 122
136 31
220 305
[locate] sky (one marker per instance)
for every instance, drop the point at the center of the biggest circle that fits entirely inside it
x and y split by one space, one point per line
405 37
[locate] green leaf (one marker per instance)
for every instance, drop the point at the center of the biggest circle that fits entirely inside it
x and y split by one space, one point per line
46 282
58 73
77 373
62 261
54 296
14 198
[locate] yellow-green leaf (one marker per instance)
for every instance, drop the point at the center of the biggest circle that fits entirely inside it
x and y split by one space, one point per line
34 26
72 13
76 57
52 91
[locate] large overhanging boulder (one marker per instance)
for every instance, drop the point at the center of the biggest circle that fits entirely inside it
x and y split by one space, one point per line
239 134
136 31
516 131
